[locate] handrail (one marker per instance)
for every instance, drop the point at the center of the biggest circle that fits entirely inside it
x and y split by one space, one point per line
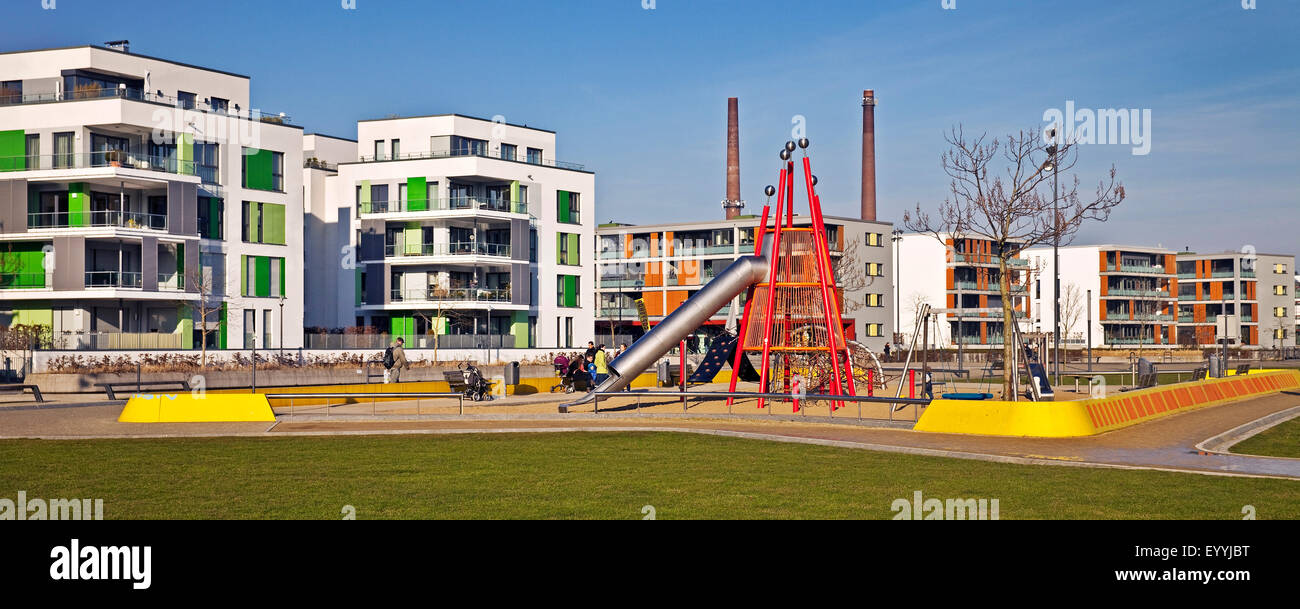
811 397
351 394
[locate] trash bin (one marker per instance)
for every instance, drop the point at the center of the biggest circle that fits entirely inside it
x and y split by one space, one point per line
512 373
1215 368
664 373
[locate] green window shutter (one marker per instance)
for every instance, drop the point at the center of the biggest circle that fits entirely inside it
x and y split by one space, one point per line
356 275
573 249
180 265
22 265
514 195
411 238
570 290
185 154
214 218
562 205
519 328
257 169
262 266
221 328
256 235
13 150
559 248
365 197
417 194
272 223
78 204
282 274
243 275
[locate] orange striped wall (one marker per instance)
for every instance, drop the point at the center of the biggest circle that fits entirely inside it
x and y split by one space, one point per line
1127 409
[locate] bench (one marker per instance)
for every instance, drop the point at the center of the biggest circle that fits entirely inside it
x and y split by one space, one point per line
1199 374
111 388
1243 369
455 380
19 387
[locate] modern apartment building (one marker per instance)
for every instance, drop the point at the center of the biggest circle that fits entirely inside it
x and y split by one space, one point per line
960 280
1130 290
136 193
664 264
1254 291
457 226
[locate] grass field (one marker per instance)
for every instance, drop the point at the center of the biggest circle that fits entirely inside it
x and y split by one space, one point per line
1279 441
585 475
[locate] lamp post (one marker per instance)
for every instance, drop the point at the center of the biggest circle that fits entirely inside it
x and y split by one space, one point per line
282 325
898 320
1056 260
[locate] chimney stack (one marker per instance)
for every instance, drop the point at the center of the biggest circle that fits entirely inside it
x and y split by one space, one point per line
868 155
732 204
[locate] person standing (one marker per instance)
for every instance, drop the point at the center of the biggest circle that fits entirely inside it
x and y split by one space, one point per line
887 352
591 368
602 364
591 350
395 360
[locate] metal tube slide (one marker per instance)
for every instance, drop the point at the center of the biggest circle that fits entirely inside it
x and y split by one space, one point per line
691 314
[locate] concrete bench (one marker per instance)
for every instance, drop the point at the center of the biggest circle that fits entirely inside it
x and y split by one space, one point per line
19 387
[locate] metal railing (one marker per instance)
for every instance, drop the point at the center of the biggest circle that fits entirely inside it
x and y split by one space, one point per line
170 281
110 218
114 279
501 295
113 158
687 396
374 399
474 152
443 204
461 248
117 340
131 94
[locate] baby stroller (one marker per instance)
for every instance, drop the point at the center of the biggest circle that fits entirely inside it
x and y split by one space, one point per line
576 379
477 388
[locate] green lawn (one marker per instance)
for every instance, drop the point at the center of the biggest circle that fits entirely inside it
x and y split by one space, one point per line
1278 441
585 475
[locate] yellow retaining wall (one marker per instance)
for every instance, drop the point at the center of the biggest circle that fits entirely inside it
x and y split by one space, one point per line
185 407
1097 415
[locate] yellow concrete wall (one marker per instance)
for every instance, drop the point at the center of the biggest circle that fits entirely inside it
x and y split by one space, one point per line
1097 415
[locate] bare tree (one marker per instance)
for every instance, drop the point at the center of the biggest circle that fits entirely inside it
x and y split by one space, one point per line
1010 208
440 299
1072 307
206 284
850 275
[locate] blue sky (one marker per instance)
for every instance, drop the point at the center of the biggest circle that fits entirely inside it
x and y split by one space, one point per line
639 95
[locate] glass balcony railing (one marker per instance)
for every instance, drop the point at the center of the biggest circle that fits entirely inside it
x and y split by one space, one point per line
465 248
114 279
23 281
965 285
445 204
1139 293
115 219
131 94
453 295
1248 274
115 158
474 151
170 281
1222 274
1128 340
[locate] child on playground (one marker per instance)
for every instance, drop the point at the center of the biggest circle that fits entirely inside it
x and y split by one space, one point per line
927 380
591 368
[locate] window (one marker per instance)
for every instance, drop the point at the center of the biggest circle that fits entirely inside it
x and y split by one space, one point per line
535 156
107 149
1279 290
875 300
185 100
509 151
532 245
1279 269
465 146
567 249
396 148
11 92
277 171
567 207
379 150
250 327
63 150
1279 333
875 239
212 216
219 105
568 332
263 223
263 169
1279 311
266 328
206 162
874 330
567 289
262 277
875 269
32 149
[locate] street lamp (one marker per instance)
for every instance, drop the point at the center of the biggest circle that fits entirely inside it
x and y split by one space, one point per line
898 320
282 325
1052 165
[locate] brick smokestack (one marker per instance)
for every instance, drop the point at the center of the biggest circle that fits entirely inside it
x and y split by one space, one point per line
732 205
868 155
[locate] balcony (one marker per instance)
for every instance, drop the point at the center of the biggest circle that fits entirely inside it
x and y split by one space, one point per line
114 279
170 281
1140 293
464 248
1248 274
103 218
965 285
117 340
480 152
1126 340
84 94
444 204
1222 274
454 295
1143 269
112 158
1186 319
23 281
704 250
622 282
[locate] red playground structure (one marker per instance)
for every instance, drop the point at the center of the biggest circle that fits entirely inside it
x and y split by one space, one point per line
794 317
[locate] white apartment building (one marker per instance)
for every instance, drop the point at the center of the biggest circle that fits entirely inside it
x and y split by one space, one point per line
456 226
136 192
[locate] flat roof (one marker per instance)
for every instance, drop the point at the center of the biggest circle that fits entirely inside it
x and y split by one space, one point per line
1230 253
333 137
102 48
476 118
615 226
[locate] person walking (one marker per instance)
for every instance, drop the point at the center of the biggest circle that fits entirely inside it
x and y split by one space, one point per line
927 379
395 361
887 352
602 364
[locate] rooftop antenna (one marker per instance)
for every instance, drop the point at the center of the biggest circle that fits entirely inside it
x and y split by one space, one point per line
119 45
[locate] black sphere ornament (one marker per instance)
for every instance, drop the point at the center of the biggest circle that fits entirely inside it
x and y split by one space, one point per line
789 146
803 142
785 154
769 190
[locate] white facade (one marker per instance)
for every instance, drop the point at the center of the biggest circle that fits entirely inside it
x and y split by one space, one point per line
115 164
461 225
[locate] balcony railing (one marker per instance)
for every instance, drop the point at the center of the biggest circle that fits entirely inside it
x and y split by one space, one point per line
114 279
453 295
1222 274
444 204
475 152
83 160
115 219
1248 274
1139 293
701 250
965 285
1187 275
622 282
1126 340
22 281
81 94
117 340
1141 268
463 248
170 281
1186 319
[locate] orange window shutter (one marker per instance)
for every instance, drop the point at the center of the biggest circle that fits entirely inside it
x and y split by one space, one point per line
668 243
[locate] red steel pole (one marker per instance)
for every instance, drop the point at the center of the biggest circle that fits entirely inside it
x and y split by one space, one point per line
775 262
759 231
823 280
